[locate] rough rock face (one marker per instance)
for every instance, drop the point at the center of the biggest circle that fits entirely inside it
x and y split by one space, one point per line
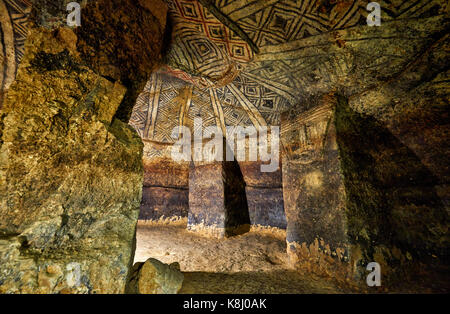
70 177
154 277
119 39
70 172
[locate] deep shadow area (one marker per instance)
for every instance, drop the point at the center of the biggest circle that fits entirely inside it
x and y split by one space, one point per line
274 282
391 195
237 217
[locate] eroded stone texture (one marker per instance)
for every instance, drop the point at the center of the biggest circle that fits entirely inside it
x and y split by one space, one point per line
154 277
71 173
71 176
119 39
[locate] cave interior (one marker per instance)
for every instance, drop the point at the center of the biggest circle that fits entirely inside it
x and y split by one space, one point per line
314 144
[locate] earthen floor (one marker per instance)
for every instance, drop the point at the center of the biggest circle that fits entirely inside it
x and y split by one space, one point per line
255 262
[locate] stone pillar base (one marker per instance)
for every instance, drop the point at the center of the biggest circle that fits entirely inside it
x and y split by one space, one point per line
217 200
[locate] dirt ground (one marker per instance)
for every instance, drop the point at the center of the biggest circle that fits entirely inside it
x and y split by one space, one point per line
255 262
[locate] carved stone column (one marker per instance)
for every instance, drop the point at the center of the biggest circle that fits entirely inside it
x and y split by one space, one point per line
217 199
313 188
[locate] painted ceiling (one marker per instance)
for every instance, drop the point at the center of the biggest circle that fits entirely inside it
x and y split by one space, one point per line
243 62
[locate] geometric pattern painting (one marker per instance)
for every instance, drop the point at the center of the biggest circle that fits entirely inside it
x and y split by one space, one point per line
13 30
270 22
213 73
191 14
266 102
168 102
201 58
207 51
157 106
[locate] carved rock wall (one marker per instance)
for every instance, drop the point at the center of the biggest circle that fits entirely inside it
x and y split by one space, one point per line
166 184
70 172
166 188
264 195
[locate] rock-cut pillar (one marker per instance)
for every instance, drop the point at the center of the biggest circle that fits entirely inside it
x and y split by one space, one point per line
217 199
313 189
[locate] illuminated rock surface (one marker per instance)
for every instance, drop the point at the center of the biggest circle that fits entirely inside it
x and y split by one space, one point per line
154 277
71 173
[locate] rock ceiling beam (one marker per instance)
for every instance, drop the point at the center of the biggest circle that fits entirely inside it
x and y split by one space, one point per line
7 48
218 111
253 113
229 23
235 11
281 89
339 39
152 112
